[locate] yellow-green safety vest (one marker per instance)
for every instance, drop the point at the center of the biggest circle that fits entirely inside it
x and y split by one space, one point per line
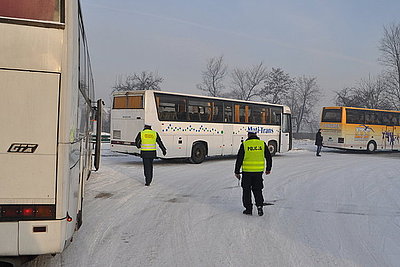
254 159
149 138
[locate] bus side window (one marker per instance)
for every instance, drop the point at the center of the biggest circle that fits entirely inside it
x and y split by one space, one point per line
276 116
228 113
217 115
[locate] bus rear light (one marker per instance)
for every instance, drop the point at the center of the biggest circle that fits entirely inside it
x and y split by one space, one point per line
341 140
26 212
45 211
9 212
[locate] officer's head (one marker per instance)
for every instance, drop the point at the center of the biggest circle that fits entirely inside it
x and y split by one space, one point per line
251 133
147 126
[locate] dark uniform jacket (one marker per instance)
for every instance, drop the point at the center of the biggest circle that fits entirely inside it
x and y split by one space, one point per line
240 157
149 154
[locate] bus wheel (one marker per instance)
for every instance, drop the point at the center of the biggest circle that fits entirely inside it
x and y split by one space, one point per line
272 147
198 153
371 147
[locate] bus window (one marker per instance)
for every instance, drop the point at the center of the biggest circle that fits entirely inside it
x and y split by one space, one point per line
240 113
248 114
135 102
355 116
228 113
45 10
169 107
332 115
130 102
276 116
217 109
387 118
256 116
119 102
199 110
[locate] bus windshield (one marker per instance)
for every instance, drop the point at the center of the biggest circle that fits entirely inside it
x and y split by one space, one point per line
332 115
44 10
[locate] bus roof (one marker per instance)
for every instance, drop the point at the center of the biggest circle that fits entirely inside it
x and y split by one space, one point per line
384 110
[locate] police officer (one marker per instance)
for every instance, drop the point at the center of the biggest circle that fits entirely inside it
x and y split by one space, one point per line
146 140
251 158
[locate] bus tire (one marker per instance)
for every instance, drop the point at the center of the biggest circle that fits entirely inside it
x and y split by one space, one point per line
272 147
198 153
371 146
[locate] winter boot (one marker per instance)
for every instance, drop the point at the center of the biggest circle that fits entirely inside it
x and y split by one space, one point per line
260 211
247 212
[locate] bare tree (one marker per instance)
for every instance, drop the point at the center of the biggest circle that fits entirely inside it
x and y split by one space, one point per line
370 93
390 57
213 77
246 83
373 93
276 86
142 81
347 97
301 100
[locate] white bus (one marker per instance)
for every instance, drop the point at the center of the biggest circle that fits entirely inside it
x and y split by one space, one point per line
46 121
193 126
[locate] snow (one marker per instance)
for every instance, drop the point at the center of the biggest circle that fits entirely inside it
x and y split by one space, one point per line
341 209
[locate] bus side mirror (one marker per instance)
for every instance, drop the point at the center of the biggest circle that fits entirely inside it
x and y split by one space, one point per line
97 144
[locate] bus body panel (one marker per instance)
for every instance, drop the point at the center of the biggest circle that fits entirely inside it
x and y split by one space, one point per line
26 49
49 241
29 118
9 238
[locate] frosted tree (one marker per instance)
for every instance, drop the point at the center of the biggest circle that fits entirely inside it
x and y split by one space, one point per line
276 86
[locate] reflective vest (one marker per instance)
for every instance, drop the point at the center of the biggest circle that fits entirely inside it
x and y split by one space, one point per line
254 159
149 138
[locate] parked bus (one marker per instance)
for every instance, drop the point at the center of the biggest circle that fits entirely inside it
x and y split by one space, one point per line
360 128
193 126
47 110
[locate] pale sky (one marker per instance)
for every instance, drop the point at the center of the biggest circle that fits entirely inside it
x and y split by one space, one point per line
334 40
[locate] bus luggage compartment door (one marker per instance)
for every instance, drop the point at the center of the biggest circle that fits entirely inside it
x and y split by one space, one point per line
28 143
9 238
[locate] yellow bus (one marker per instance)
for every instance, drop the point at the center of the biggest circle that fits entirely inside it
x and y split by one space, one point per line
360 128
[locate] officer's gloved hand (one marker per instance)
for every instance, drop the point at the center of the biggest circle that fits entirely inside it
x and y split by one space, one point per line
164 152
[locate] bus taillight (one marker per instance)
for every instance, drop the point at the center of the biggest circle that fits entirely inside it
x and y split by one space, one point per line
45 211
26 212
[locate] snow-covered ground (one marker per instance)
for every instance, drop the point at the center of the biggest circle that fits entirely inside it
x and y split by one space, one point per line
341 209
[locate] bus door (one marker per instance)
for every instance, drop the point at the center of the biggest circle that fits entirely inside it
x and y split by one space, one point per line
389 137
286 133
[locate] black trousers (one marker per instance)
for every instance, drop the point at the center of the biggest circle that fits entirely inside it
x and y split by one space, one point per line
318 149
252 182
148 169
